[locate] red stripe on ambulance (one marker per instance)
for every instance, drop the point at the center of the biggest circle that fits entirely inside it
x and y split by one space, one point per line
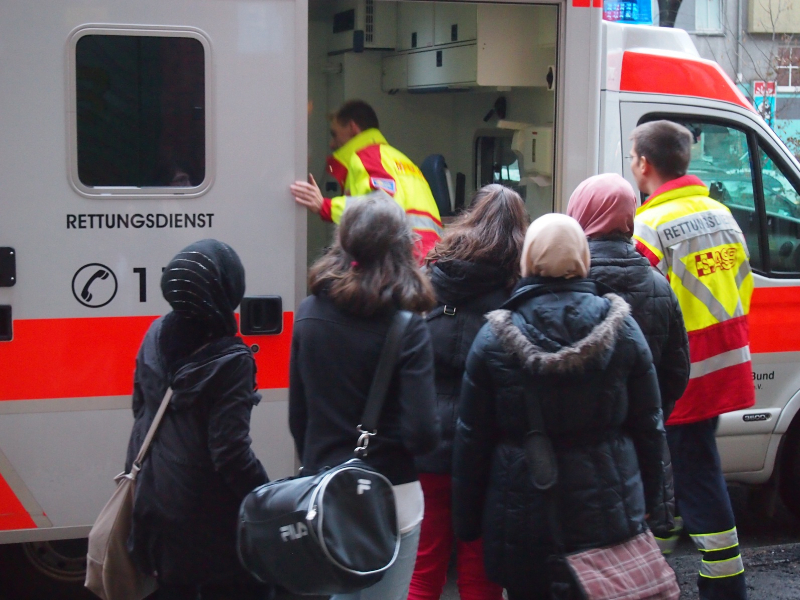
678 76
775 319
12 514
87 357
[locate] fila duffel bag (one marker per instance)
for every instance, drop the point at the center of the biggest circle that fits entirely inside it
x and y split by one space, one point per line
330 533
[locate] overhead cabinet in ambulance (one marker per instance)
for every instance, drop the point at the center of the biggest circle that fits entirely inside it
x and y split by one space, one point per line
422 25
443 45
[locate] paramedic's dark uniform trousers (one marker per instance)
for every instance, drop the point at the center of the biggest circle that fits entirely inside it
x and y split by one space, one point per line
705 506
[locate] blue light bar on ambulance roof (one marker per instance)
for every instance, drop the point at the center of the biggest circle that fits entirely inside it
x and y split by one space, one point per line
638 12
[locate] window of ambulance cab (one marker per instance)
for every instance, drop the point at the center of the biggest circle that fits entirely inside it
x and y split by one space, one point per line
782 204
140 112
721 158
749 175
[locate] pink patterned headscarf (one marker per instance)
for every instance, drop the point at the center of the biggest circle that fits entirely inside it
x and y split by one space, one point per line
603 204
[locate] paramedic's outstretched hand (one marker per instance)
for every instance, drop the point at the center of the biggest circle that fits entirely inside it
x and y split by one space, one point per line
307 194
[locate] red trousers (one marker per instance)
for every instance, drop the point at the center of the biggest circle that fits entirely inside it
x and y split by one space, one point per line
436 546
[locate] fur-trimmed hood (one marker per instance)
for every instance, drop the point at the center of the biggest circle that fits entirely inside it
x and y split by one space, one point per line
593 350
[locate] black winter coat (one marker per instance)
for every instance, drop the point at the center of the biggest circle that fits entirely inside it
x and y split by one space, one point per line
333 360
200 464
465 292
617 264
591 370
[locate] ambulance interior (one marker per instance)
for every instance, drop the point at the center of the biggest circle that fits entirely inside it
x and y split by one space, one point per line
469 86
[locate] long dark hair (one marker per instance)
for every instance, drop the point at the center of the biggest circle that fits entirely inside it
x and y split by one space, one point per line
491 231
371 268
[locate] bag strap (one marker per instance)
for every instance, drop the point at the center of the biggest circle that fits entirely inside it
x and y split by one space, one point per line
538 445
542 462
380 382
443 309
137 463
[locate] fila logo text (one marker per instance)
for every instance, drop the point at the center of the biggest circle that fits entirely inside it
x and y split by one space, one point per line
293 532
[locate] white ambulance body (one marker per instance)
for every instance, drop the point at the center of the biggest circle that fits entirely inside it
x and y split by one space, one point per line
130 130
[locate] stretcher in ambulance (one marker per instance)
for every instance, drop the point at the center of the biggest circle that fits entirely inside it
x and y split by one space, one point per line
132 129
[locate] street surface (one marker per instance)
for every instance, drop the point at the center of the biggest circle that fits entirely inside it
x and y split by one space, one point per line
770 549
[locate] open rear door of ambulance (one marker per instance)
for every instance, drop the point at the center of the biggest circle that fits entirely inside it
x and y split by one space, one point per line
129 131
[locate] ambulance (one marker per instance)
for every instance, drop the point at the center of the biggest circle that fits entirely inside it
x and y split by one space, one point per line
131 129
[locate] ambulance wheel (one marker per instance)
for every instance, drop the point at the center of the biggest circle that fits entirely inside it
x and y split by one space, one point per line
789 486
37 570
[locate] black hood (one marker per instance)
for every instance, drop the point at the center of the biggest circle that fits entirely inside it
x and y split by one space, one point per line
559 326
456 281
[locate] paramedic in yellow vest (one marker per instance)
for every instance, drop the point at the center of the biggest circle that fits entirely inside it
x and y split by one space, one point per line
363 162
696 243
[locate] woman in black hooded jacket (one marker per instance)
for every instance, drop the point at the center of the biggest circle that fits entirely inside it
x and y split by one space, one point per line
583 359
473 269
200 465
605 206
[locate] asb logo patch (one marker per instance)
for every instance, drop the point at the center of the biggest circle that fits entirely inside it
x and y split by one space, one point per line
387 185
709 262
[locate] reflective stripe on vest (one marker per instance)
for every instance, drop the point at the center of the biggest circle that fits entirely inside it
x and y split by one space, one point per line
722 568
709 257
419 222
694 224
720 361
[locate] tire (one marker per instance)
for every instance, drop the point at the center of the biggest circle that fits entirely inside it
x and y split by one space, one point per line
44 571
789 483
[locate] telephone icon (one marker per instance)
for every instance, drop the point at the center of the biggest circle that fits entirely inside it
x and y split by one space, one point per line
94 285
99 274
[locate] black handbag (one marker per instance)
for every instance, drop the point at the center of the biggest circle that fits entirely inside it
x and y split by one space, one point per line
334 532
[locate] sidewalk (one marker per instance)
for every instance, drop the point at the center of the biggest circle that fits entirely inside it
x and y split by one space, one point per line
773 572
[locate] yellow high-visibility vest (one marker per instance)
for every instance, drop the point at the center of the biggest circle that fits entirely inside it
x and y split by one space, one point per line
697 244
367 163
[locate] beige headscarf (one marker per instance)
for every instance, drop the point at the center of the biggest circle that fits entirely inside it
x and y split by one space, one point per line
555 246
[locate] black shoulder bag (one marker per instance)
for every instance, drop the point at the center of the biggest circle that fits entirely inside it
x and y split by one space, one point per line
334 532
630 570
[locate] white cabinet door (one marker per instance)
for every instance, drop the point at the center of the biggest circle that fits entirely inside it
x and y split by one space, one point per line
394 73
414 25
454 22
443 67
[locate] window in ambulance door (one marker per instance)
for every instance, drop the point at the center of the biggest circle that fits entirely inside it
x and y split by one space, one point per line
140 110
721 158
782 203
496 162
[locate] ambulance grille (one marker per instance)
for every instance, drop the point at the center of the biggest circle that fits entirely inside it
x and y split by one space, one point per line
369 20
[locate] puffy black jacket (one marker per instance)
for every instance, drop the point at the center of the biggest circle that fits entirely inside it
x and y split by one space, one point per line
465 292
200 464
333 361
617 264
591 370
